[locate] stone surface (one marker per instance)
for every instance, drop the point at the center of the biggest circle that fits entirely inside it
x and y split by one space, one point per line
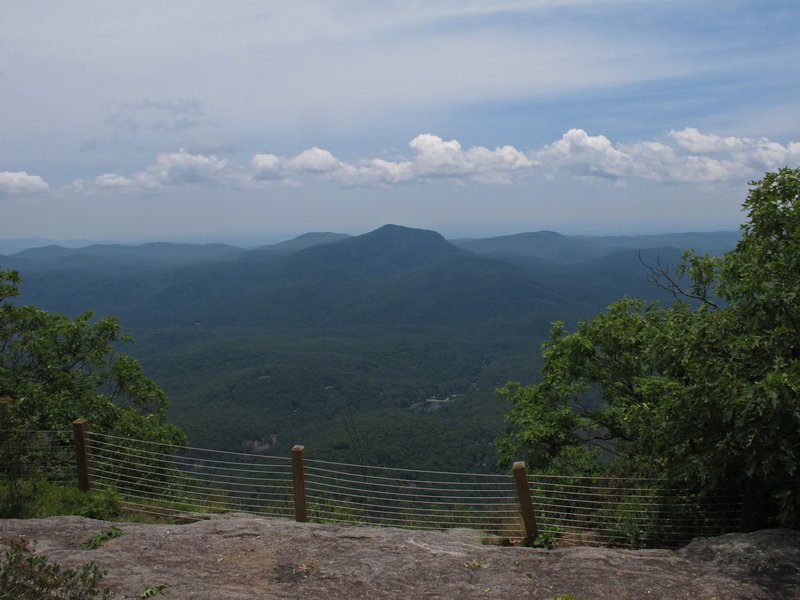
242 556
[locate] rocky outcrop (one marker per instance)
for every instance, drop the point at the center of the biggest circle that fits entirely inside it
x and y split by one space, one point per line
242 556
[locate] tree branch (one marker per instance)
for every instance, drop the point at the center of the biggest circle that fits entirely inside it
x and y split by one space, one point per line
660 274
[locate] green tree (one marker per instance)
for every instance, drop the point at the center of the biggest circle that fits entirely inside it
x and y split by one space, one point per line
702 393
54 369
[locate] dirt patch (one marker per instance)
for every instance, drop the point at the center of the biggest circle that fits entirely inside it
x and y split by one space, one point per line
241 556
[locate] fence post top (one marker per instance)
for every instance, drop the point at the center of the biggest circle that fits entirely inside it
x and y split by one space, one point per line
79 421
520 464
298 448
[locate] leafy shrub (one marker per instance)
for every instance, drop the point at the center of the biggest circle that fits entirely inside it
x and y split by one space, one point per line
37 498
26 576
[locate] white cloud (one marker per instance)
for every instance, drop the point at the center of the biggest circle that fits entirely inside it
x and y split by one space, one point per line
19 182
314 160
111 180
658 162
692 157
178 168
585 155
265 161
433 152
692 140
695 157
744 152
388 172
738 154
434 158
267 166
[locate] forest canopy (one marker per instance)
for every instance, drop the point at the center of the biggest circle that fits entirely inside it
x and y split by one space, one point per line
701 393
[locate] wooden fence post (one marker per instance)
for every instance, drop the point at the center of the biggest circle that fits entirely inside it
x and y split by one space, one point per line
80 429
299 476
525 502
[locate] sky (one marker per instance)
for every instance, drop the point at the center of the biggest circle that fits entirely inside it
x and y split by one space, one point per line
260 120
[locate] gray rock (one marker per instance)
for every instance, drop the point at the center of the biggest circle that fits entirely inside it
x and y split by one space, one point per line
242 556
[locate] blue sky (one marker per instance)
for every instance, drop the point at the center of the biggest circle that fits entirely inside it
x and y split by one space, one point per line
208 121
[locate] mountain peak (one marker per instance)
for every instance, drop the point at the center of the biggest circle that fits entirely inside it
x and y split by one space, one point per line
405 244
389 247
402 234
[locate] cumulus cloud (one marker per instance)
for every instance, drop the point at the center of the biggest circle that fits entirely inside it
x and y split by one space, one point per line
692 140
314 160
694 157
436 154
111 180
267 166
19 182
175 169
387 172
433 158
436 157
685 156
760 153
585 155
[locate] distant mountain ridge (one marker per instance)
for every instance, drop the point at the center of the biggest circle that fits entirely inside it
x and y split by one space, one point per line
392 274
301 242
287 342
14 245
546 244
540 244
159 249
561 248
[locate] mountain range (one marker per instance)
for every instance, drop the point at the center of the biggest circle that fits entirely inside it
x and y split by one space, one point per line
336 341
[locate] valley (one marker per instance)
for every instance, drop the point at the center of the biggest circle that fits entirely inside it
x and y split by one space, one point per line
339 342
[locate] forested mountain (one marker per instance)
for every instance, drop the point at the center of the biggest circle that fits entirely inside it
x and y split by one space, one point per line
116 256
540 244
14 245
301 242
560 248
336 342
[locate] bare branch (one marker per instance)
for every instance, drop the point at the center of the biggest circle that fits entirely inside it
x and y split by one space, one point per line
661 276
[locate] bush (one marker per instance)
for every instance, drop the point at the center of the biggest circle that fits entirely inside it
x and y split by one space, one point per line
27 576
38 498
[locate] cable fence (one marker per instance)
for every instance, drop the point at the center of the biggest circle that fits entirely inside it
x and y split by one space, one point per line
36 454
394 497
628 511
190 483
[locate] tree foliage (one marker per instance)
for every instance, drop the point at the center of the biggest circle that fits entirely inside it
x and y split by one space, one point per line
54 369
701 393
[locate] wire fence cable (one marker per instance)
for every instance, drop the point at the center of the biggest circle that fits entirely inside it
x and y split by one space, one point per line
190 483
